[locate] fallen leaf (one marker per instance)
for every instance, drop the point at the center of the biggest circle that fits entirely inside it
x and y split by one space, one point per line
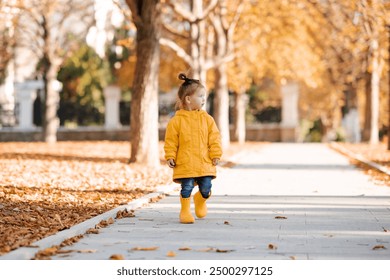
64 251
272 246
46 253
49 251
125 214
155 199
226 223
223 251
228 164
103 223
281 217
171 254
71 240
144 248
117 257
92 231
378 247
185 249
87 251
214 250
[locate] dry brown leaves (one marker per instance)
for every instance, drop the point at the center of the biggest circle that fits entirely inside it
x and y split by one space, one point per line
117 257
374 153
46 188
171 254
144 248
280 217
125 214
45 254
379 247
185 249
272 246
215 250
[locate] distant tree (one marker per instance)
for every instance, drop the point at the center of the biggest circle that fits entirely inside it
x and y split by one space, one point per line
274 41
84 76
374 21
224 20
208 43
355 52
48 29
8 19
195 51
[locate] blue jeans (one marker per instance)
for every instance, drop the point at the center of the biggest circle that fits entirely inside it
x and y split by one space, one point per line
204 183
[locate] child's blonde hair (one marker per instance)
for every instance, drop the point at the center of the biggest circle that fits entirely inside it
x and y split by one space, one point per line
187 88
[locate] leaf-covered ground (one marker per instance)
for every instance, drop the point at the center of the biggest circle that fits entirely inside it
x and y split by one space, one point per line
374 153
45 188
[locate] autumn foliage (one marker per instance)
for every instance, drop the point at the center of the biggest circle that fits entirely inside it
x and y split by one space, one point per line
45 189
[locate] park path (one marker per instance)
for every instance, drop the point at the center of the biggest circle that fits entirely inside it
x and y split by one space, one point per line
278 201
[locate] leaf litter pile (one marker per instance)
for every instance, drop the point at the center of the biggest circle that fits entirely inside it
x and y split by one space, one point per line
46 188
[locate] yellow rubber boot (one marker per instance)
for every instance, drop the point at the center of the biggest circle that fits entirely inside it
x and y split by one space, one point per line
200 205
185 211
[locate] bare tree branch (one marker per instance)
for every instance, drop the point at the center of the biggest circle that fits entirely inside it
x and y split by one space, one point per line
213 4
178 9
233 24
190 17
179 50
169 29
212 63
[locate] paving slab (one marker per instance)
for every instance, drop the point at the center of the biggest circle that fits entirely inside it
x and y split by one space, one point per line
247 227
280 201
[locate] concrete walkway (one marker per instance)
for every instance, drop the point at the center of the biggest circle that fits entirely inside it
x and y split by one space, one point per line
281 201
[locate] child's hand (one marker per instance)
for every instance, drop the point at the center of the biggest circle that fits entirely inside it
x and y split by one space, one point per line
171 163
215 161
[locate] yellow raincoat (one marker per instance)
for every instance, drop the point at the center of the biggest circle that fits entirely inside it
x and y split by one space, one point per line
192 139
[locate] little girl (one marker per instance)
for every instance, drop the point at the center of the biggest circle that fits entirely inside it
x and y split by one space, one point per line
192 148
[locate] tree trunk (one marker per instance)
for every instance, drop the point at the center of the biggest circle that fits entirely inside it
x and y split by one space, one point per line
198 42
50 70
221 104
144 103
239 131
367 109
388 86
375 80
50 119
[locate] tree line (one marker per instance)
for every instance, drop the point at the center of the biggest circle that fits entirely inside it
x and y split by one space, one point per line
336 50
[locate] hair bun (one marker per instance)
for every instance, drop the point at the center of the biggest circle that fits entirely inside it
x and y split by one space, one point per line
187 80
183 77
